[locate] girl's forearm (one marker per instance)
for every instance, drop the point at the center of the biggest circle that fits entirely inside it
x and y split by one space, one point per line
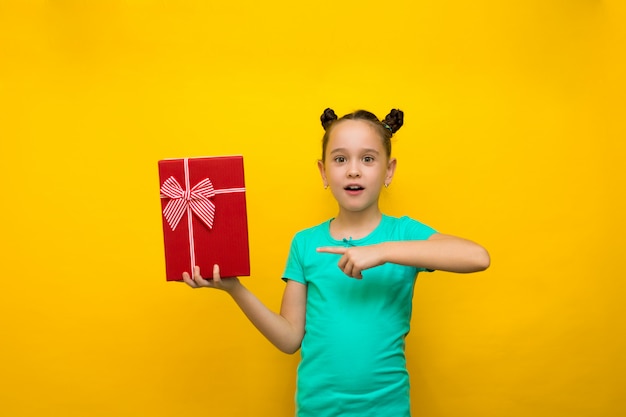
445 253
283 332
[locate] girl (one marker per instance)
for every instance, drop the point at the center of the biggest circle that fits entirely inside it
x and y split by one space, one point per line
349 280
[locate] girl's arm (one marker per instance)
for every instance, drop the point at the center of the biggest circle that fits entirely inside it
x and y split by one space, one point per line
284 330
439 252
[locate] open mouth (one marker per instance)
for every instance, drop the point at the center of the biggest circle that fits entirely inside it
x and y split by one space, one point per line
353 188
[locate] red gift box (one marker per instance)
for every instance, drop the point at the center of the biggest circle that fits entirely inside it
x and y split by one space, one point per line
204 216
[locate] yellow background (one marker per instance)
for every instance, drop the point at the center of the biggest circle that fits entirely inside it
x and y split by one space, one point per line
514 137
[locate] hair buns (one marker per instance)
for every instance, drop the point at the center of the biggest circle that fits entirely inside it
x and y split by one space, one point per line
395 120
328 117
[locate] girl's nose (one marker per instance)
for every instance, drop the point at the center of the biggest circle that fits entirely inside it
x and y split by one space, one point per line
353 172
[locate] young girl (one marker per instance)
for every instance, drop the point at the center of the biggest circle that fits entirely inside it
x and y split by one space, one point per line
349 280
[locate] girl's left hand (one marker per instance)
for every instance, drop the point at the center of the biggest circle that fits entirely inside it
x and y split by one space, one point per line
356 258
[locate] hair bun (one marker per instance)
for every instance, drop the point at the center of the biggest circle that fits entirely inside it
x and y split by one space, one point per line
328 117
395 120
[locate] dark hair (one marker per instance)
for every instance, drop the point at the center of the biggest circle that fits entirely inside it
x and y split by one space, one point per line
386 128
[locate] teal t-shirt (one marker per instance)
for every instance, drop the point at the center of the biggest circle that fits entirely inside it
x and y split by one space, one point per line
352 354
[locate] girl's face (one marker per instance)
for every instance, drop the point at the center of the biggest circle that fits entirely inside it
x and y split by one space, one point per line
356 165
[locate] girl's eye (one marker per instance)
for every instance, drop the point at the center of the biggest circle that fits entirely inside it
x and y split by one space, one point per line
340 159
368 159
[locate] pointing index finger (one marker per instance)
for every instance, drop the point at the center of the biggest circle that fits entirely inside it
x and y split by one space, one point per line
332 249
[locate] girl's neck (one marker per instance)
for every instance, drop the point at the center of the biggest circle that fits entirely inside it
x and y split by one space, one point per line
355 225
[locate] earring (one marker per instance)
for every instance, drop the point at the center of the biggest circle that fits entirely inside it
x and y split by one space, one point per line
386 185
325 186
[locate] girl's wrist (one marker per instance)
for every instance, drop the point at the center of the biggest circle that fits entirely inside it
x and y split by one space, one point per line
383 250
236 287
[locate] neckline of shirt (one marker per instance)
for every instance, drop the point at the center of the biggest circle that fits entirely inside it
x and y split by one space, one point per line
354 242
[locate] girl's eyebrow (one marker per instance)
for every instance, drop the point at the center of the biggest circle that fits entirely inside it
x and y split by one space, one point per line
344 150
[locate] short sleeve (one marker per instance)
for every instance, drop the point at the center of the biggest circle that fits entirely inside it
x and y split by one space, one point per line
294 270
415 230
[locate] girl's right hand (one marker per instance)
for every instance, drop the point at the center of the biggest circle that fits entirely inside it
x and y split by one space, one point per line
217 282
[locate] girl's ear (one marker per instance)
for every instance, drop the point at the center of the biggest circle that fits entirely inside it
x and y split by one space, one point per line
391 169
320 166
